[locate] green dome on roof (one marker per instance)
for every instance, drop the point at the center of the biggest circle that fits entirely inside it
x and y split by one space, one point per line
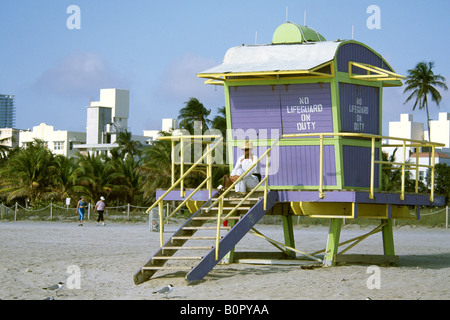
293 33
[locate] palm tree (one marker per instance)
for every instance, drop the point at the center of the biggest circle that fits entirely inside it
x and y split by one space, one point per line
127 145
423 82
66 176
125 179
93 177
29 173
192 112
156 168
220 122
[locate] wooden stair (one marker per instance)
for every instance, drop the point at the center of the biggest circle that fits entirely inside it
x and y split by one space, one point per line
200 227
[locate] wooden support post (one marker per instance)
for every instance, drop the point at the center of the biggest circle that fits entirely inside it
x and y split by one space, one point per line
388 238
288 229
334 234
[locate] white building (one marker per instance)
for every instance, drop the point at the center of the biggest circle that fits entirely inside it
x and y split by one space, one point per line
58 142
407 128
107 117
424 159
168 125
440 129
9 137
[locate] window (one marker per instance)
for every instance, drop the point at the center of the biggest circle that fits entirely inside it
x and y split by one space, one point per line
58 145
421 175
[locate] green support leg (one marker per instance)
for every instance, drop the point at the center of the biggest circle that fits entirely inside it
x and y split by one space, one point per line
288 229
388 238
334 234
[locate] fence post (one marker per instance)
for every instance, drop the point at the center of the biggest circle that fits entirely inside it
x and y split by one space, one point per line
128 211
15 212
51 211
89 210
446 217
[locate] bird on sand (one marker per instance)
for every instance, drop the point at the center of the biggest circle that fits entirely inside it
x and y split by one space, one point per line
55 287
166 290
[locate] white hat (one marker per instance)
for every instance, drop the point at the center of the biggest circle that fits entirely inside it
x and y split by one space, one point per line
101 198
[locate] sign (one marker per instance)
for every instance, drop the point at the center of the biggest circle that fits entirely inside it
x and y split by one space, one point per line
306 108
360 108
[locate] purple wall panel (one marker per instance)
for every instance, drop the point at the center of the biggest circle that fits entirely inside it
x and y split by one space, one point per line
298 165
358 53
360 108
295 108
255 107
357 166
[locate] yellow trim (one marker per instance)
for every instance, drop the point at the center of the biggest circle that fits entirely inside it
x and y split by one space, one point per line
219 78
373 73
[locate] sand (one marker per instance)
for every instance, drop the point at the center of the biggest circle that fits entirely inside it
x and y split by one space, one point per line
37 254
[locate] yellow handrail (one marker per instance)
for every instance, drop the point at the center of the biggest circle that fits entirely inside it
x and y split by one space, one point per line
373 137
180 180
222 196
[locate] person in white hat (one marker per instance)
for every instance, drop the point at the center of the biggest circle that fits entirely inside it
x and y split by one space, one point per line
100 207
243 163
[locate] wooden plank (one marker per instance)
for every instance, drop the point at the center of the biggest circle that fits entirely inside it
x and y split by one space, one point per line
205 228
366 258
188 248
177 258
166 268
213 218
285 262
193 238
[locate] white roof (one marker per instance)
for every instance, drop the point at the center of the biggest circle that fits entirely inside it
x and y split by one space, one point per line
266 58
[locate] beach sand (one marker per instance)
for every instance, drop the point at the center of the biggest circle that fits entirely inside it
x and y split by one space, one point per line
38 254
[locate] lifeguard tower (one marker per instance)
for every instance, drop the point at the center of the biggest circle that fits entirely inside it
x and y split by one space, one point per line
313 110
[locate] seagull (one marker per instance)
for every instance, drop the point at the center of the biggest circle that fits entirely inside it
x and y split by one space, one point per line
165 290
55 287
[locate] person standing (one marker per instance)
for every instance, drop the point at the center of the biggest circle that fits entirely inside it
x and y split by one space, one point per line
100 207
80 210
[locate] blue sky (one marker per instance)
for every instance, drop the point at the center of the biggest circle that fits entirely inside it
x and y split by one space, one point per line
155 48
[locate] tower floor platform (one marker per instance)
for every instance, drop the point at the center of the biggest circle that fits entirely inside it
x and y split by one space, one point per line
337 201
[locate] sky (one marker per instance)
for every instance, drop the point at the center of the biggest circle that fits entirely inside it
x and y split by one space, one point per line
154 49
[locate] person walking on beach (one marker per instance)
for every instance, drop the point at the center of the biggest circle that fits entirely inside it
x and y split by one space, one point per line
80 210
100 207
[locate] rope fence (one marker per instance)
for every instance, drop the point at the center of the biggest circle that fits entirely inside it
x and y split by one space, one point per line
52 212
126 212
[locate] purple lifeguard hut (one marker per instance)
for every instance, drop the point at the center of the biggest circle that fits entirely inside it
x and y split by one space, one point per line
313 110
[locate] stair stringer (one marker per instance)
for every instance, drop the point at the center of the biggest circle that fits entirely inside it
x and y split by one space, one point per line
229 241
142 276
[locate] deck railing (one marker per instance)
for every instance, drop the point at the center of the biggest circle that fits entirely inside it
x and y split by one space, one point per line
404 143
180 181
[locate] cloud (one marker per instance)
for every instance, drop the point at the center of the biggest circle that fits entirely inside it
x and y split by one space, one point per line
79 74
179 81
